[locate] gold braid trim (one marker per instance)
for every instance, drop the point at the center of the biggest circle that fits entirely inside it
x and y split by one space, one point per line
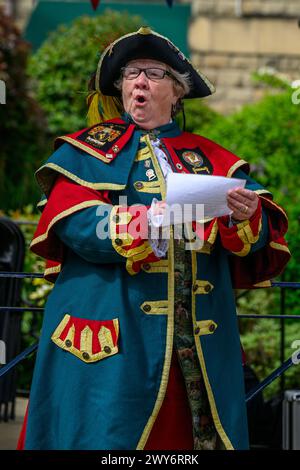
119 241
235 166
86 339
151 307
156 267
168 352
210 395
63 214
44 181
86 149
245 234
53 270
280 247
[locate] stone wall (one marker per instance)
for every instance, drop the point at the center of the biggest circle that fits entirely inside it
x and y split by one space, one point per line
229 40
21 10
247 7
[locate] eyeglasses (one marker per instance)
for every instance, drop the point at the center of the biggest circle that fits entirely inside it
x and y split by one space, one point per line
152 73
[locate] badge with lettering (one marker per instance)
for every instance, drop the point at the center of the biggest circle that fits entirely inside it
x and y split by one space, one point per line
101 135
194 160
104 136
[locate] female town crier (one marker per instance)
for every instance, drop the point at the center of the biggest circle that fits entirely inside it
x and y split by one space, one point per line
140 346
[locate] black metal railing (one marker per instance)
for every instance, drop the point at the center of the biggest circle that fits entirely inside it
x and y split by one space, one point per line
285 364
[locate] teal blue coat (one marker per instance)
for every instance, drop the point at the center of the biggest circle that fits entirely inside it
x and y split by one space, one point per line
112 400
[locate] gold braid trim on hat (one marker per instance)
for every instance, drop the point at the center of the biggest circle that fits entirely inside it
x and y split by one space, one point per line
103 107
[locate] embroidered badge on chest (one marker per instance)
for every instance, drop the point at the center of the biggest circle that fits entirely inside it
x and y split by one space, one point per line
103 136
195 161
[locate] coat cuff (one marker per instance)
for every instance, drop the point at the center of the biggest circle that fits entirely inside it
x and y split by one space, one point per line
239 238
129 235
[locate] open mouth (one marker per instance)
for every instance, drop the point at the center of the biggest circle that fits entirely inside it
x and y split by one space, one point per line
140 99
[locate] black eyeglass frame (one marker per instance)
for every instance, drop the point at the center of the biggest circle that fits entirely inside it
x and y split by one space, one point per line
165 72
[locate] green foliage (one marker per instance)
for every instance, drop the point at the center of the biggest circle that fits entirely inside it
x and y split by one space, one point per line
271 79
262 346
21 122
63 65
266 134
198 115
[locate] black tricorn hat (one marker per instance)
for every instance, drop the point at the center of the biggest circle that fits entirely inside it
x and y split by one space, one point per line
146 44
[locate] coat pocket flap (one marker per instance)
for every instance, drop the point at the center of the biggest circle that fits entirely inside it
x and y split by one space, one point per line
89 340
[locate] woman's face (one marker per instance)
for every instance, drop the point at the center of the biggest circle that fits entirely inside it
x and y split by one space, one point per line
148 102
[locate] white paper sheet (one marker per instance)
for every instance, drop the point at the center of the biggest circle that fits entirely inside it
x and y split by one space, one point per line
197 197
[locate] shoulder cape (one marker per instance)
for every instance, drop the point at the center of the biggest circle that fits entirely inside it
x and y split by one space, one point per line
99 159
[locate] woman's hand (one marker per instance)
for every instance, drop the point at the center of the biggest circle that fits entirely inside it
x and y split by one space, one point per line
242 202
159 207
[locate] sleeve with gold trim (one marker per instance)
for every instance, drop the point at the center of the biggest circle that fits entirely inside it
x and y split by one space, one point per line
250 234
84 220
268 252
258 248
267 261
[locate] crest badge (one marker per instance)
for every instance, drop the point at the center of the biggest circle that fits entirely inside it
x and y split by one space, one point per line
101 135
192 158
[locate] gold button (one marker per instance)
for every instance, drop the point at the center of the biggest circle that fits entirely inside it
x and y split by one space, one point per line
107 349
116 218
115 148
85 356
179 166
197 330
195 287
207 288
118 241
138 185
68 343
146 266
212 328
147 308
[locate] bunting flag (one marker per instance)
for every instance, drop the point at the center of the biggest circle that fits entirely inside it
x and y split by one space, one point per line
95 4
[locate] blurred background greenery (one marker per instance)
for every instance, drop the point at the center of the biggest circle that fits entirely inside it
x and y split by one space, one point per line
47 92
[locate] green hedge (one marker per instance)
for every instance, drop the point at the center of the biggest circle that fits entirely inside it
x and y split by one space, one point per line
62 66
22 124
266 134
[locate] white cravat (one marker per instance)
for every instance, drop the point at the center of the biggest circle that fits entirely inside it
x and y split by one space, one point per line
159 246
161 157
